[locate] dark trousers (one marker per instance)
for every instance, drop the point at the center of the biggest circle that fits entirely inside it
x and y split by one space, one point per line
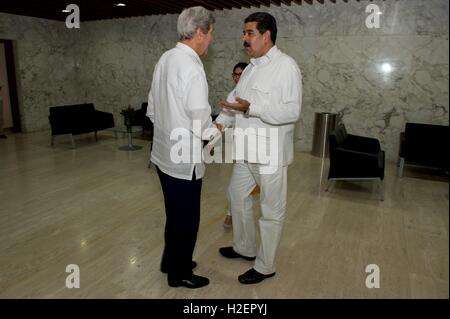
182 202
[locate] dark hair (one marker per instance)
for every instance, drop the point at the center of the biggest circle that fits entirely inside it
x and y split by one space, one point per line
265 21
241 65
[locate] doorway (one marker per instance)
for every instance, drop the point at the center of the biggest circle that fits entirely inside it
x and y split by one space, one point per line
8 92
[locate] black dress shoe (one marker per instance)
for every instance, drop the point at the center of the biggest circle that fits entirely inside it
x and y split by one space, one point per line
3 136
164 269
253 277
229 252
191 282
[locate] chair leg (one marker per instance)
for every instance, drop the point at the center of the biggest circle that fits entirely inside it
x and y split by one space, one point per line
72 140
380 189
401 166
328 185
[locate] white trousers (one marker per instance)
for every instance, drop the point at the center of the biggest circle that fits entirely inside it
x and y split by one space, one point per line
273 186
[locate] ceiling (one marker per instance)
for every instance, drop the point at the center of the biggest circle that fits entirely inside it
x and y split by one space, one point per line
107 9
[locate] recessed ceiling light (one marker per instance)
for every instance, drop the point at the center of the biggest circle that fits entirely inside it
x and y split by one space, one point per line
120 5
66 11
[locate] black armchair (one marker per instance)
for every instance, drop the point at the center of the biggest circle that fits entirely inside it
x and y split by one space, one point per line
354 157
424 145
141 119
78 119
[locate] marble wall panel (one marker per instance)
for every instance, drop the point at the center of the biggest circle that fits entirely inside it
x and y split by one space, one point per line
44 66
110 62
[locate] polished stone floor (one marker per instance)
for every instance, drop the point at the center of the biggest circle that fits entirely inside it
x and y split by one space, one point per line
102 209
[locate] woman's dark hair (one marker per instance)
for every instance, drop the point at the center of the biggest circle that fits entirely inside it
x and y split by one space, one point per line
241 65
265 21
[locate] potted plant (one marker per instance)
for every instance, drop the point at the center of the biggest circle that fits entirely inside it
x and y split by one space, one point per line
128 120
128 117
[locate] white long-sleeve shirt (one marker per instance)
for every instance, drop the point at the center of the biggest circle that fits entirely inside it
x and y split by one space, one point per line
178 97
273 86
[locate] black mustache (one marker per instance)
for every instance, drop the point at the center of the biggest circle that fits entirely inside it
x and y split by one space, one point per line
246 44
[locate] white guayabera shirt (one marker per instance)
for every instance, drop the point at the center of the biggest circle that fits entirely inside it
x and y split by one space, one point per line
273 86
179 109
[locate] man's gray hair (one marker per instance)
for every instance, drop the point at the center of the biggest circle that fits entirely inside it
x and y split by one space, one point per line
193 18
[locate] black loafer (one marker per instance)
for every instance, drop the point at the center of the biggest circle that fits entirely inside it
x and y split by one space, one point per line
229 252
191 282
164 269
253 277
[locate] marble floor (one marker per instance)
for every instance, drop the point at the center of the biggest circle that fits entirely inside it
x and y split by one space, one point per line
102 209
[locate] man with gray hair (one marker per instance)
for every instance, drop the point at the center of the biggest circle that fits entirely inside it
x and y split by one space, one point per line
178 100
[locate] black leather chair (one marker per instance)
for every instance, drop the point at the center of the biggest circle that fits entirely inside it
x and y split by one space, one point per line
424 145
141 119
354 157
78 119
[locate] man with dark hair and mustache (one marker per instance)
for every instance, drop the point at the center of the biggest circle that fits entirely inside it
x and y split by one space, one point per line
268 97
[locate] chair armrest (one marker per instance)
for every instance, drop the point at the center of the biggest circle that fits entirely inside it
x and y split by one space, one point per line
103 120
360 158
60 125
353 153
350 163
355 160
